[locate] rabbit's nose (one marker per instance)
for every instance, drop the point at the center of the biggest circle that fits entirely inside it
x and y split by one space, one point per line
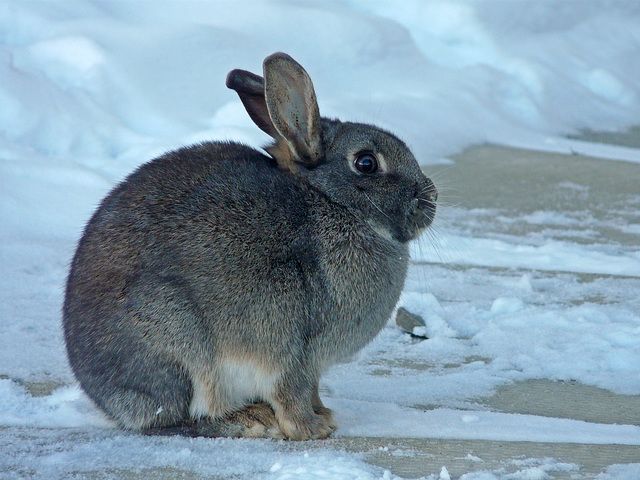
430 192
426 195
423 205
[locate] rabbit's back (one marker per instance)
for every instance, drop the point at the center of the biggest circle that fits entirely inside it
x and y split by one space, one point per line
201 216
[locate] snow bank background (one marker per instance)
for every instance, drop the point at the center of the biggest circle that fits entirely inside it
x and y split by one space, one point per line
91 89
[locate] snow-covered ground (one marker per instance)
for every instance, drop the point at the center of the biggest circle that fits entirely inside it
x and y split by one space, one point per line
91 89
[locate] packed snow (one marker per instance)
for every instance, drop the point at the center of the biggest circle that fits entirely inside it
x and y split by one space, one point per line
89 90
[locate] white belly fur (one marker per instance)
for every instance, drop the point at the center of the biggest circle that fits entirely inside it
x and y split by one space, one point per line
229 386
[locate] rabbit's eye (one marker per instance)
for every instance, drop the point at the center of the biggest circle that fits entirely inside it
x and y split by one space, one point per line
366 163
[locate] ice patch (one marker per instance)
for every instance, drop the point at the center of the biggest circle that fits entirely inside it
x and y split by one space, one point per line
506 306
389 420
319 467
621 472
551 255
66 407
444 474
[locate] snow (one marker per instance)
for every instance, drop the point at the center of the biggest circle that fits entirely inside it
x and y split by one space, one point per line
388 420
91 89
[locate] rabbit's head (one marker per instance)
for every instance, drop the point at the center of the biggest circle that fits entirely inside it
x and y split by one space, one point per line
361 167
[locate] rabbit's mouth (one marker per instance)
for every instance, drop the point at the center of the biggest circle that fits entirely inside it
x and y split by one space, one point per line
418 217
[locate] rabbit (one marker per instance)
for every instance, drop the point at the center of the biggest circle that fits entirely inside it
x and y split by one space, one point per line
215 284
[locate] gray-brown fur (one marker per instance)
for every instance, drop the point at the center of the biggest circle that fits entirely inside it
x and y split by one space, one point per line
212 287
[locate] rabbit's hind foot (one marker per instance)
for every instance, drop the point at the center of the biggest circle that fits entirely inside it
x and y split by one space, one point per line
256 420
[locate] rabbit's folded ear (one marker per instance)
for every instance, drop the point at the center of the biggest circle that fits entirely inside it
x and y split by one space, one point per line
250 89
293 109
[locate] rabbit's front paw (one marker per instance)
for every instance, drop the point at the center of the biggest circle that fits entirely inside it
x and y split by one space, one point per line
310 427
323 411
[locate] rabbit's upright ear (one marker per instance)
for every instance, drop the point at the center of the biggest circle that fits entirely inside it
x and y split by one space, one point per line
250 89
293 109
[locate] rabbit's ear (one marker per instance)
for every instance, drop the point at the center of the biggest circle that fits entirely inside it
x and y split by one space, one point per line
250 89
293 108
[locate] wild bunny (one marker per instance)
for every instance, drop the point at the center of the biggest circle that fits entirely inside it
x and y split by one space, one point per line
215 284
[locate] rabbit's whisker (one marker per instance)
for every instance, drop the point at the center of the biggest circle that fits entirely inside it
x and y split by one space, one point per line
374 204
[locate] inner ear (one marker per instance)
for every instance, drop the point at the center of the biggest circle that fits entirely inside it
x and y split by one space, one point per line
292 106
250 89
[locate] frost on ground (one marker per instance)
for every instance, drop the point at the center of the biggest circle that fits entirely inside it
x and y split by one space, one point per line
510 288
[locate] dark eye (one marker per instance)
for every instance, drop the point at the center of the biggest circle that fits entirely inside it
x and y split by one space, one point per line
366 163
